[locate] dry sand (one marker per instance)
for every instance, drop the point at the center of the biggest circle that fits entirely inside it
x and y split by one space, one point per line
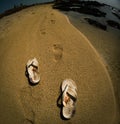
63 52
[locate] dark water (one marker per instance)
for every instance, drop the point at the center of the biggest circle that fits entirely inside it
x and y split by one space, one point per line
7 4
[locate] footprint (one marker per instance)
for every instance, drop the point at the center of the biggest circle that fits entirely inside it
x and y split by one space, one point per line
58 51
43 31
33 13
52 21
52 13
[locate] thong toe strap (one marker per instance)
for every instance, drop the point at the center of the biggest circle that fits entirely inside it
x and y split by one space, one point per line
72 97
33 65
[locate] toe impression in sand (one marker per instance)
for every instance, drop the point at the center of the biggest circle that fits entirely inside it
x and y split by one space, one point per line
69 97
32 70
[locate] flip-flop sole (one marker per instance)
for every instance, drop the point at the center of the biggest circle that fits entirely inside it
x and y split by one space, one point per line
68 112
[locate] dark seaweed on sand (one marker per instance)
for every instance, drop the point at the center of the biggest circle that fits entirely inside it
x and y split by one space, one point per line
117 15
113 24
86 7
96 24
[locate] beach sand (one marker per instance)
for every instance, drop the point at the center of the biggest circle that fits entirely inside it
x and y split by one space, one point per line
106 43
63 52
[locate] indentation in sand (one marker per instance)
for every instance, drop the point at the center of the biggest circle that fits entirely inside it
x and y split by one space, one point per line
43 31
57 51
53 21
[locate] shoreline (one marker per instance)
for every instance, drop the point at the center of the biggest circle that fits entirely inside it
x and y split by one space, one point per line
99 15
109 61
72 57
96 52
102 61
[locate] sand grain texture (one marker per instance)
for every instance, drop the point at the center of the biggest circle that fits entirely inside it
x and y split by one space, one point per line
63 52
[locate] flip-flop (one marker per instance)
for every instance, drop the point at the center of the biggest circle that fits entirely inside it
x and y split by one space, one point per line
69 98
32 69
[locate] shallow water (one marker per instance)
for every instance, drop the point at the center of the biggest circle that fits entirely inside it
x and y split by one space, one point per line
114 3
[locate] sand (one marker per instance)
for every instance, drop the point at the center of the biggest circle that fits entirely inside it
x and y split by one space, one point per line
107 44
63 52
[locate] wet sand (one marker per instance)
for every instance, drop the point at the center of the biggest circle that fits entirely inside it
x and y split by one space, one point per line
106 43
63 52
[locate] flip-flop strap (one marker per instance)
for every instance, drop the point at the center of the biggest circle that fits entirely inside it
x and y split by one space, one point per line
72 97
59 98
33 65
66 87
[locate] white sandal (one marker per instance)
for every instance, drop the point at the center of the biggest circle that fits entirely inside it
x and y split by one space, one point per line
32 68
69 98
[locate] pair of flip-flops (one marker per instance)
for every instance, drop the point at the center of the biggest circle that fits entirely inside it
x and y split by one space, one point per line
32 70
68 87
